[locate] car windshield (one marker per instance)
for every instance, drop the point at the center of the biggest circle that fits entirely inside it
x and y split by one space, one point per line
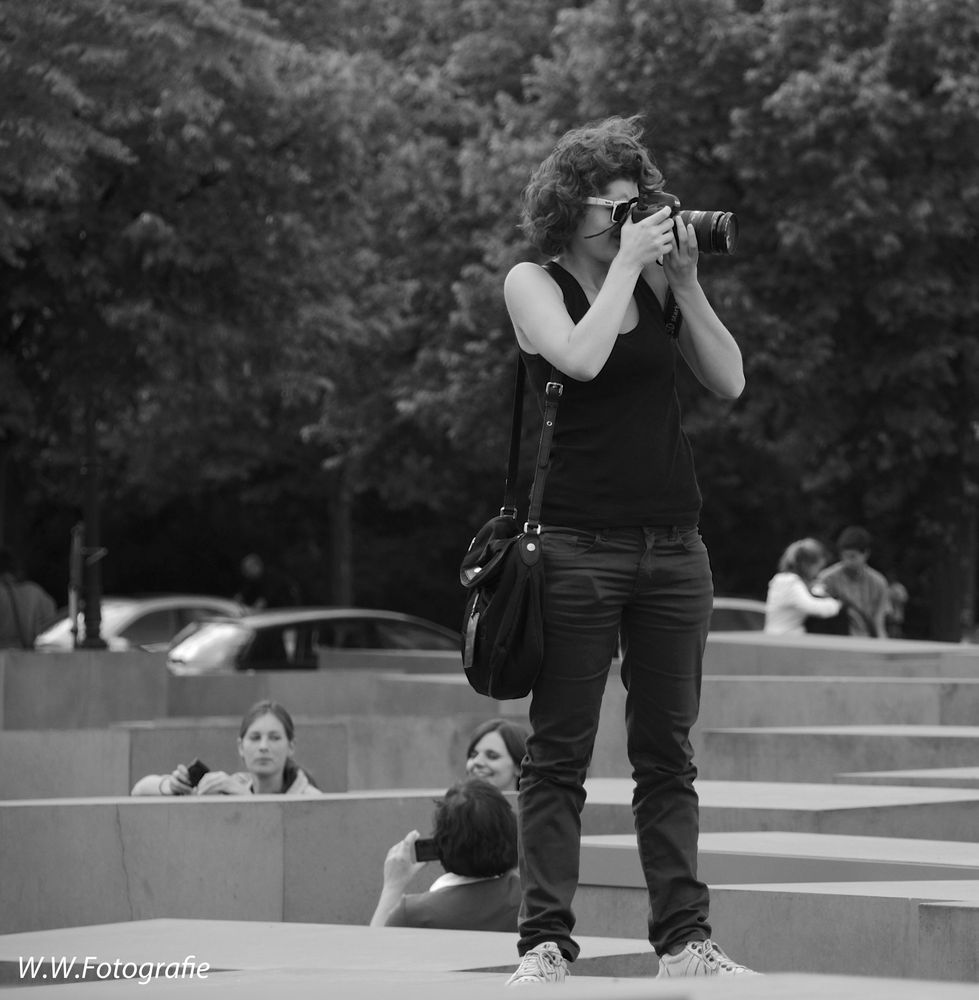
214 644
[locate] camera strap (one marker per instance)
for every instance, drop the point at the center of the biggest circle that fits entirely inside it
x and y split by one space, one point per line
672 315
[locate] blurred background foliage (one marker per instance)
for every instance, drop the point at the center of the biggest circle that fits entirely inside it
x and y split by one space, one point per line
265 241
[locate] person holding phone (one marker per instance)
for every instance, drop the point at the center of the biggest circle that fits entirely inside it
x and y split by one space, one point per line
475 840
266 745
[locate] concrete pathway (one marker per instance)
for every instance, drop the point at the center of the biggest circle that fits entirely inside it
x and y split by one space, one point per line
253 960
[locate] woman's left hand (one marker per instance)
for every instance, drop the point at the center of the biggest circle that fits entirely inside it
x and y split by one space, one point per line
681 264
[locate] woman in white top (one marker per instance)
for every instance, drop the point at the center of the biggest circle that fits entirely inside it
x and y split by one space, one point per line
791 596
266 745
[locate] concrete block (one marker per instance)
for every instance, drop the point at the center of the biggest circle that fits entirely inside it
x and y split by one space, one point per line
820 752
800 807
70 862
854 928
862 928
58 763
440 695
308 692
310 961
80 690
157 746
798 701
763 857
839 656
947 936
940 777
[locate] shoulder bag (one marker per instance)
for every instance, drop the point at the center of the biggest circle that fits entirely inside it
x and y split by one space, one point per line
503 572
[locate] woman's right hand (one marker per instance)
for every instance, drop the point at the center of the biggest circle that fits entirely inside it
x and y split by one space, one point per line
178 781
400 866
649 240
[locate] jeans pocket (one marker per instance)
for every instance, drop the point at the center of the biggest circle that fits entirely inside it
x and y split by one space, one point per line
691 539
566 543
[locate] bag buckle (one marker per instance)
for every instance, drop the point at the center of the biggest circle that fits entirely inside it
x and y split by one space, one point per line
553 390
531 529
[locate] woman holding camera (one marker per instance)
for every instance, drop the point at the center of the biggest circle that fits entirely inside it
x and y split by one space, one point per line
621 546
266 745
475 841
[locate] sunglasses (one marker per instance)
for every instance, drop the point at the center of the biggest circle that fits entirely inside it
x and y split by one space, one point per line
618 210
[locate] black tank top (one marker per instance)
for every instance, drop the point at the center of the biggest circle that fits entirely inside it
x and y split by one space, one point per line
620 457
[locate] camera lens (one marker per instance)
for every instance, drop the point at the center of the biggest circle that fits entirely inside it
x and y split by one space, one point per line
717 232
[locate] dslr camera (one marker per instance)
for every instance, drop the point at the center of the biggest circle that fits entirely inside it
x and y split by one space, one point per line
717 232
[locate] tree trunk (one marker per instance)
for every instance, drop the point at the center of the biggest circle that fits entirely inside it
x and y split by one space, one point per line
341 539
953 576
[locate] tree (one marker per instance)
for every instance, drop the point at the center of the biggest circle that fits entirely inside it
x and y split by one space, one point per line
857 140
165 245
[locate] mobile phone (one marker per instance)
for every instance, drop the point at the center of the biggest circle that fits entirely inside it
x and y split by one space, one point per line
196 770
425 849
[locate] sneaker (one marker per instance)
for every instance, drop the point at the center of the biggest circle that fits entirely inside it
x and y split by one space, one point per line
700 958
543 964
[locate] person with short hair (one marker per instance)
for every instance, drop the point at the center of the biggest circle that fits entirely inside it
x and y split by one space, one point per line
266 745
857 584
791 599
475 835
620 539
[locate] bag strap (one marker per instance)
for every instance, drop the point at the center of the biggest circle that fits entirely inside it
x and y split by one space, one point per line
21 631
509 508
552 396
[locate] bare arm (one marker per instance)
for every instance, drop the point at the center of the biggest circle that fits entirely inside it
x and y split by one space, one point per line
705 342
175 783
542 323
400 868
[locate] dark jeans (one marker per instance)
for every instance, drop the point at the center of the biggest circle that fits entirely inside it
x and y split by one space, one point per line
653 584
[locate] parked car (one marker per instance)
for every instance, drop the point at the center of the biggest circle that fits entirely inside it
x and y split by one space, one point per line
288 638
148 623
737 614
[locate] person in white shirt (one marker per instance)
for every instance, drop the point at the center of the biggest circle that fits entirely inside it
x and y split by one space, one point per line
792 594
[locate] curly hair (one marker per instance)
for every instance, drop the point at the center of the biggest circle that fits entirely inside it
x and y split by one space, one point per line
475 830
582 164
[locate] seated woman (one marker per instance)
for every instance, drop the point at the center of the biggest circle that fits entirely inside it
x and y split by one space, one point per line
476 840
791 597
266 743
495 753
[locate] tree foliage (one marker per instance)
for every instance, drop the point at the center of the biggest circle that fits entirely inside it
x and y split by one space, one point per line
268 238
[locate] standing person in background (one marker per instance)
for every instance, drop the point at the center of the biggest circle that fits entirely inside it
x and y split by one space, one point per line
25 607
791 599
620 541
860 587
265 587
